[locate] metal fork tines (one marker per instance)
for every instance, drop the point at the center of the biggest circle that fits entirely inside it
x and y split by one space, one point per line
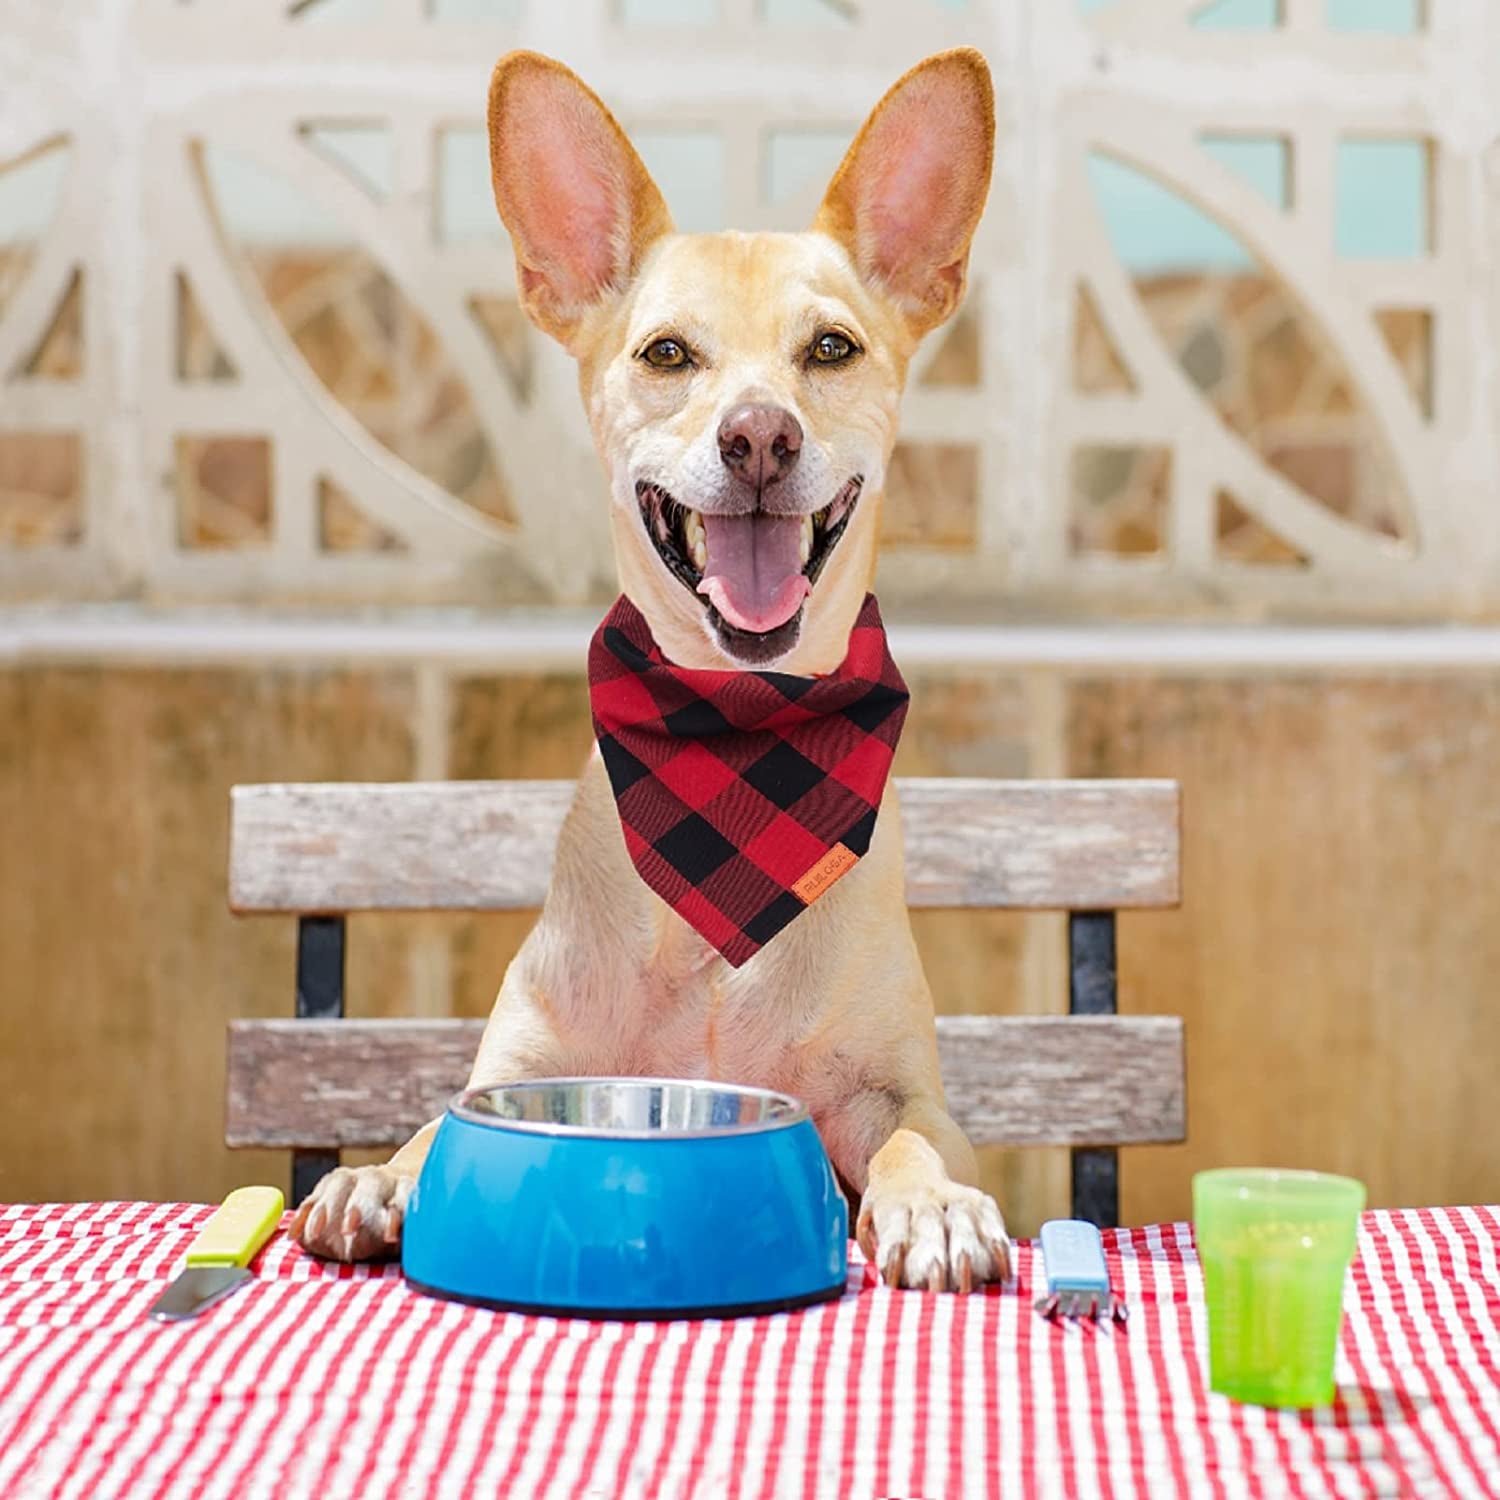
1077 1273
1082 1305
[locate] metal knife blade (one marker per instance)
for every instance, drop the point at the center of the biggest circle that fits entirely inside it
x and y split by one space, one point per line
217 1258
197 1288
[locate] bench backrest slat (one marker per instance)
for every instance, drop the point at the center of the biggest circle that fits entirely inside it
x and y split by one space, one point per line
488 845
1010 1080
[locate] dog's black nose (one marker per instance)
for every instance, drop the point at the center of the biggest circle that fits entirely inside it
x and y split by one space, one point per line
760 443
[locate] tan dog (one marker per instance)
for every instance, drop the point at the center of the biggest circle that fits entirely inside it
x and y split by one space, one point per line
743 391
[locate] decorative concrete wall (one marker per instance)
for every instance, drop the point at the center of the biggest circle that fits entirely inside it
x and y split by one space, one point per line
1228 351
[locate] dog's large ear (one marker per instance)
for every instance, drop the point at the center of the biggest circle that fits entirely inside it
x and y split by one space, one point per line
907 196
581 208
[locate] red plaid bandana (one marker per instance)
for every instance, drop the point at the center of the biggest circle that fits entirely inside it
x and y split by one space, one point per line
743 795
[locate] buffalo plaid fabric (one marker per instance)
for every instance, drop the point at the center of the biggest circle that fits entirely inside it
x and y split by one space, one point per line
743 795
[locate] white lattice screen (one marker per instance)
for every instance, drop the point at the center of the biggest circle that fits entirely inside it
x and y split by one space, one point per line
335 401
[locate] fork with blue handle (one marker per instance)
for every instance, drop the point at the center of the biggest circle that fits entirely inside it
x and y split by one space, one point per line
1077 1276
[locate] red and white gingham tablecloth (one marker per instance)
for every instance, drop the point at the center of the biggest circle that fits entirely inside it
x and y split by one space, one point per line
323 1381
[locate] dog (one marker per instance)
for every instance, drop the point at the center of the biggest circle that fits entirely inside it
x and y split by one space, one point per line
737 386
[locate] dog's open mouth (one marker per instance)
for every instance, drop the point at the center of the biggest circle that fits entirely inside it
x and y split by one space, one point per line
753 570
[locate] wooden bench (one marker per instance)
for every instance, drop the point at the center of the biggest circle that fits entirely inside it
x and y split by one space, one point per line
1091 1080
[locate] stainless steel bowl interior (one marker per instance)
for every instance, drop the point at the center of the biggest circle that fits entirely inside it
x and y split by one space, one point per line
629 1108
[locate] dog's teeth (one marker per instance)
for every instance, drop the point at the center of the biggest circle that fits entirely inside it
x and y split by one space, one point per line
696 538
807 538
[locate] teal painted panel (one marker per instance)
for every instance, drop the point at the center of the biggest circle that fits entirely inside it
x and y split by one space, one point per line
474 10
341 10
669 12
1262 160
465 198
796 159
1380 209
1401 17
1239 15
29 195
688 166
364 151
805 13
1154 229
260 207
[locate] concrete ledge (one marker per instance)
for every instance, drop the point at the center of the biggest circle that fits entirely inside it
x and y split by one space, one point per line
127 635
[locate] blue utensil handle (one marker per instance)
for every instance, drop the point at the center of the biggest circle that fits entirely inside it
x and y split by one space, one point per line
1074 1256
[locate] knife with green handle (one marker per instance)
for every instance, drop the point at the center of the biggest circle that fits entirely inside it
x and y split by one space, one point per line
217 1259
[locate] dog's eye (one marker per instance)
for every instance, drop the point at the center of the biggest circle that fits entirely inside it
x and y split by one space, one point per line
832 349
665 354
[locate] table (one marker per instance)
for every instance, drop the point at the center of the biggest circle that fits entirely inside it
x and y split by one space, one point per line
341 1381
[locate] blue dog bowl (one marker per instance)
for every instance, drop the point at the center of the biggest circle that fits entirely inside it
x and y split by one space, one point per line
627 1198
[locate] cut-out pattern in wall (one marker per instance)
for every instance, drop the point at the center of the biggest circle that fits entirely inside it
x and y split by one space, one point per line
362 338
1248 347
463 202
1240 537
344 527
931 496
1383 198
30 188
1119 500
1239 15
809 12
508 333
1408 333
799 161
669 12
1394 17
1257 357
363 150
58 353
1097 365
476 11
223 487
1262 161
688 166
1256 383
956 361
15 261
200 356
41 489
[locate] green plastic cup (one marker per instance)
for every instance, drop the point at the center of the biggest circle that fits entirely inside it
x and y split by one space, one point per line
1274 1247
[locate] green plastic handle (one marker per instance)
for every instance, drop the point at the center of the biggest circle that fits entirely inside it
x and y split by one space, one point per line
245 1220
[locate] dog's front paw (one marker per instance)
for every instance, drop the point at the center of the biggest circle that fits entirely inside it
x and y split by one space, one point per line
355 1213
942 1237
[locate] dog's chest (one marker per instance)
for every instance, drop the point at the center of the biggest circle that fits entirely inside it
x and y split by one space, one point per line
706 1020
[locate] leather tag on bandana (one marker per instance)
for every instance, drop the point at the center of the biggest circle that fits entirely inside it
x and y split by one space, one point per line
838 861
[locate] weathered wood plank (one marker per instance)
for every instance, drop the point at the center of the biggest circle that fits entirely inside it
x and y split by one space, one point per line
1011 1080
1065 1080
1041 845
488 845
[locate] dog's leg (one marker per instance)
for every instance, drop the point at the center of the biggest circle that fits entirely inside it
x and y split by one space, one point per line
922 1222
356 1213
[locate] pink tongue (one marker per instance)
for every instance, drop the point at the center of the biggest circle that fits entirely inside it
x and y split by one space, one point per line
753 575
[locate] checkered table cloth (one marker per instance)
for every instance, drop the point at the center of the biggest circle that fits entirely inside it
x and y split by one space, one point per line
324 1381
